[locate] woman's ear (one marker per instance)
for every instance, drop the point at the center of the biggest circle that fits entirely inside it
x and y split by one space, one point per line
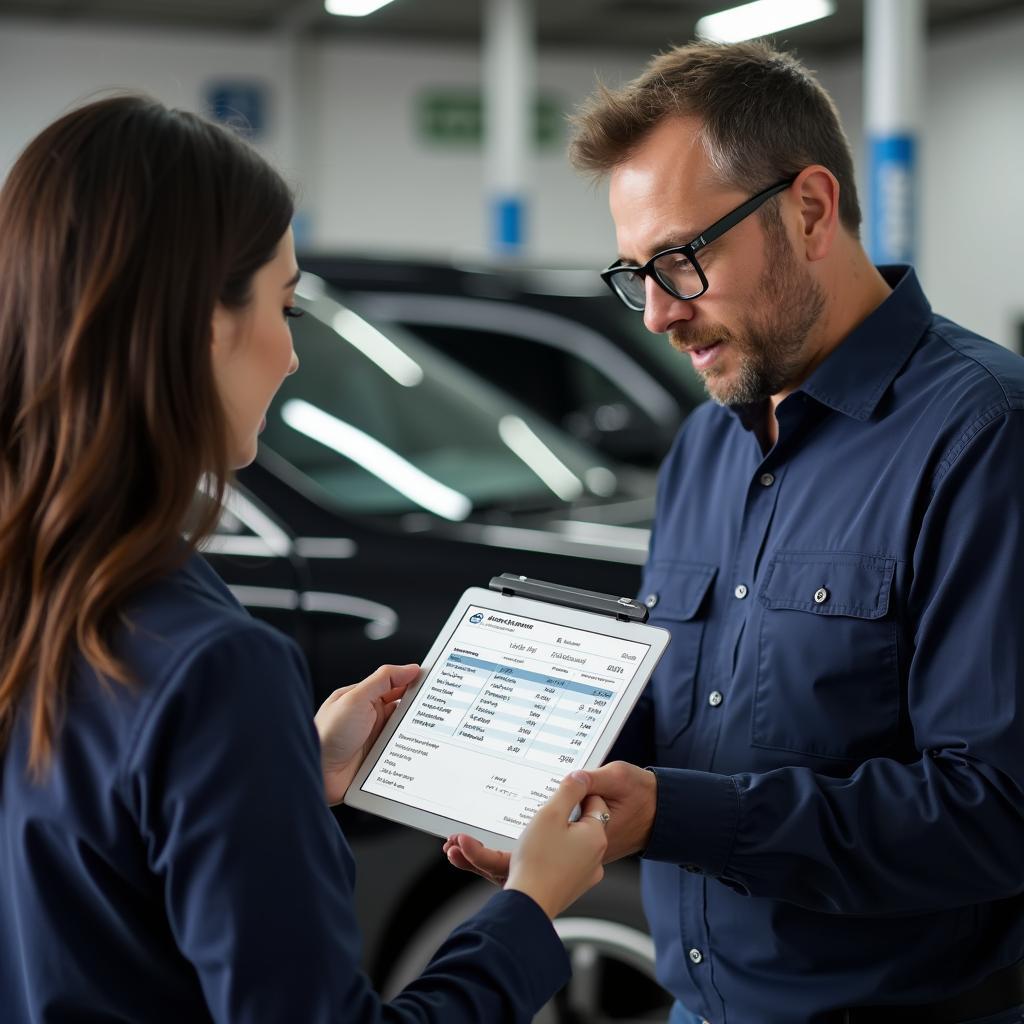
223 329
817 192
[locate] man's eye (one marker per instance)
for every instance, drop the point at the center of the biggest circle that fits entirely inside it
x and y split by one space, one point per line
293 312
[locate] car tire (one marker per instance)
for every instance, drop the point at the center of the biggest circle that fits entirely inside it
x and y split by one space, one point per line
605 935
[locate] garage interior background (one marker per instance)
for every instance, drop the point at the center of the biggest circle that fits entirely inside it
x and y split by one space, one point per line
345 113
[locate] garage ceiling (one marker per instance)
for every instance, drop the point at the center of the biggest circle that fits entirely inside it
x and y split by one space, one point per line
646 25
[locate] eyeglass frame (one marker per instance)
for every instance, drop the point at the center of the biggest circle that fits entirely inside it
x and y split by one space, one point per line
690 249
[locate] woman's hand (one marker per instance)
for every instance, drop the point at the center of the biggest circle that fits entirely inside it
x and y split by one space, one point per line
556 860
350 720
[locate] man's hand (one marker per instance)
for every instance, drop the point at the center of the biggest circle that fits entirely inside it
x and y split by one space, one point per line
632 797
350 720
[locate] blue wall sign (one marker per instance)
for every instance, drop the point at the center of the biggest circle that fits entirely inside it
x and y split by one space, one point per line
508 224
240 104
893 224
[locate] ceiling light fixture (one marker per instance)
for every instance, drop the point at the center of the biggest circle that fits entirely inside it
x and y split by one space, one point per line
761 18
354 8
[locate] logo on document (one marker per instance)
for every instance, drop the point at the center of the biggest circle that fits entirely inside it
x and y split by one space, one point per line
476 617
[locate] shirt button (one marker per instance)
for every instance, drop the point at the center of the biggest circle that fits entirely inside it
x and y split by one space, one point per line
714 698
741 591
767 479
651 600
820 595
696 955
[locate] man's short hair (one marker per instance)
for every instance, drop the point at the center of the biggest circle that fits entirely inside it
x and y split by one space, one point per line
764 118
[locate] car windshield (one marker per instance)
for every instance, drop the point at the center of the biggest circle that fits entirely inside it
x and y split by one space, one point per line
385 424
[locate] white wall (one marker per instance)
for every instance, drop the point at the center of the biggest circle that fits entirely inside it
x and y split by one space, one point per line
343 128
971 203
378 185
44 70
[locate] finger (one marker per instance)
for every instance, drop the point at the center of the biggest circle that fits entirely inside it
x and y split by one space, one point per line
385 679
594 805
493 863
570 792
388 682
394 694
389 710
452 840
338 694
612 779
458 861
599 778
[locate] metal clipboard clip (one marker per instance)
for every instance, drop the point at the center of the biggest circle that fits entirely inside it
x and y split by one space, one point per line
625 609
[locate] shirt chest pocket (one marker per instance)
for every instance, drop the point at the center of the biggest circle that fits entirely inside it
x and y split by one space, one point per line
676 594
828 673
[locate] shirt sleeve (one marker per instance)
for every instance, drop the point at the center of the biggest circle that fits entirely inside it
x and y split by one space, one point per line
224 780
945 828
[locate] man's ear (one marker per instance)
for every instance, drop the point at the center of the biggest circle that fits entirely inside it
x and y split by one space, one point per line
817 193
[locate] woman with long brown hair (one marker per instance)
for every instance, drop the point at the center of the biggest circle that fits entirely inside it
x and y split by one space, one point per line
166 852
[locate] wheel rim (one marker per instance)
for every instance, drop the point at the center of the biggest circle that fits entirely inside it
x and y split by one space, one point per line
594 945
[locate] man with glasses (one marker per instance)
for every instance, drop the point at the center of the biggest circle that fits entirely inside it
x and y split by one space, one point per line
833 826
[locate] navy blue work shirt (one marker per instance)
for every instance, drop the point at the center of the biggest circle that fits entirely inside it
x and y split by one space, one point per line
179 862
838 723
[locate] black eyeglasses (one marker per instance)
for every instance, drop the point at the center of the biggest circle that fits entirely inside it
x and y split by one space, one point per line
677 270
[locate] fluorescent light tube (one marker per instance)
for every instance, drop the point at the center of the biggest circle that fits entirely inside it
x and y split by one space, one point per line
518 436
377 348
354 8
761 18
376 458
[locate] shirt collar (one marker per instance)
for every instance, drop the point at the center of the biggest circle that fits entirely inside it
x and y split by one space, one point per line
854 376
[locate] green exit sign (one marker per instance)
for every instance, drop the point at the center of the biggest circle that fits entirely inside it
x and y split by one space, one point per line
451 117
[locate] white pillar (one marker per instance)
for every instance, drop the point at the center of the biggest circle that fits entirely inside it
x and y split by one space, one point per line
509 97
894 34
302 146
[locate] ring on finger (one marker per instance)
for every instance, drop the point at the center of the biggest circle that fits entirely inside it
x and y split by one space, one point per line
602 816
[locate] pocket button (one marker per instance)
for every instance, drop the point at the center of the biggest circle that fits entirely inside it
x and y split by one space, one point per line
651 600
740 591
820 595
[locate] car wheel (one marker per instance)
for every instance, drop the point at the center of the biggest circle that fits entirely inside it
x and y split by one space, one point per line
605 935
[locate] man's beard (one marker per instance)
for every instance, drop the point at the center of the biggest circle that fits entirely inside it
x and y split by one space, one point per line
768 348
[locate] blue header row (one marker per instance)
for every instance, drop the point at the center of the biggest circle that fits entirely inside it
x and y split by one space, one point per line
533 677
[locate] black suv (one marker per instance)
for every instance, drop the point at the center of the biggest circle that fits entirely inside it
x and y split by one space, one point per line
554 338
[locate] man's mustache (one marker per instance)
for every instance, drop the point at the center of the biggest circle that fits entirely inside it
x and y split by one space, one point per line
688 339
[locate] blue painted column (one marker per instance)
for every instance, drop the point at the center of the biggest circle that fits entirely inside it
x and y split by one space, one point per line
509 90
894 34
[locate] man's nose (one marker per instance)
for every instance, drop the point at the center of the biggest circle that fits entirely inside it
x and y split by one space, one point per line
662 310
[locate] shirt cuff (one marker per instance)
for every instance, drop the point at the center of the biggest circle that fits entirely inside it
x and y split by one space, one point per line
518 923
695 820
